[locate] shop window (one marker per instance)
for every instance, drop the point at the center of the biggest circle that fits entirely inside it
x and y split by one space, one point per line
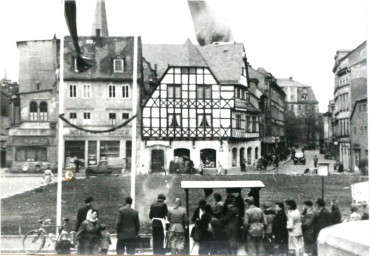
43 111
125 91
208 157
109 149
92 153
33 111
31 154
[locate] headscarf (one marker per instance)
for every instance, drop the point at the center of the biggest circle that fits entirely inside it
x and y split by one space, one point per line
88 216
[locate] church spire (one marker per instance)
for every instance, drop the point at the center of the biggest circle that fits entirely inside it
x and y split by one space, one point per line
100 25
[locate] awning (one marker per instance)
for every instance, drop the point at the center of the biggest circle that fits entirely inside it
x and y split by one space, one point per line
222 184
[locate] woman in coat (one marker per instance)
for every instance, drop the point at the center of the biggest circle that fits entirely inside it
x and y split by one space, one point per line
294 226
279 229
205 231
231 222
89 233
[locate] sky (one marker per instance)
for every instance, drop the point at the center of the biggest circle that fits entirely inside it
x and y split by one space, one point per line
289 38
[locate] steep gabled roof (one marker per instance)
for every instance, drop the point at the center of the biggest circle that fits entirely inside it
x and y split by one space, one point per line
289 82
224 60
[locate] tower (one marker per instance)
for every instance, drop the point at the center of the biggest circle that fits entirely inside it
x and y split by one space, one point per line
100 25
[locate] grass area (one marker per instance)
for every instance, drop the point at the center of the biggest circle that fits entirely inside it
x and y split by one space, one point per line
23 210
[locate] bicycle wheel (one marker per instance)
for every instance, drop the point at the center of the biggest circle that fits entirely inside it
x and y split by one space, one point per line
34 241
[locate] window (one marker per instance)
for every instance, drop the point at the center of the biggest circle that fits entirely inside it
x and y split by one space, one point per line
86 93
299 107
33 111
73 118
174 91
112 118
31 153
125 115
292 107
254 124
37 85
204 120
112 91
238 122
366 130
118 65
174 120
72 91
204 92
291 97
354 130
248 125
362 130
43 111
87 115
125 91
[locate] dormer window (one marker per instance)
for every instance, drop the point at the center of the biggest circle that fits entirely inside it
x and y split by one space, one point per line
118 65
304 96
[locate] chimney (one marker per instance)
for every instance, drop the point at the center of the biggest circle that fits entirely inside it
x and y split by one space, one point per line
100 25
291 78
155 69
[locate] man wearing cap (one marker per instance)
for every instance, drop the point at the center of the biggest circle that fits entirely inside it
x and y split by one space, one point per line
82 212
158 212
308 222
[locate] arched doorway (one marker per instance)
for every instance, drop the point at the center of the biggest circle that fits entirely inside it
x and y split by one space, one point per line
249 156
242 161
235 156
256 153
182 152
157 160
208 157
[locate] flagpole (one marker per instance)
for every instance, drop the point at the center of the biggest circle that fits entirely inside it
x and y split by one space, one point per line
134 122
60 122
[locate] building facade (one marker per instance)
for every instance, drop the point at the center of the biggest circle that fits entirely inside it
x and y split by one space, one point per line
328 119
32 135
350 86
272 106
359 136
201 108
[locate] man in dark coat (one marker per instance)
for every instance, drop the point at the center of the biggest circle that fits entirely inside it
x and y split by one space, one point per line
279 229
158 211
82 212
231 222
127 228
323 219
308 224
335 214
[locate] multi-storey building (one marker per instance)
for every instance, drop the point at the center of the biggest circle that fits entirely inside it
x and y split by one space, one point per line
328 118
200 108
300 98
359 135
7 90
100 98
350 86
272 111
32 136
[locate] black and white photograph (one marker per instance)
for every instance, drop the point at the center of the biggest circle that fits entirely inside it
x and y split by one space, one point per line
189 127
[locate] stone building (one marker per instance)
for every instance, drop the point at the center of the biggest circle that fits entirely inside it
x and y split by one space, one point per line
100 98
300 98
201 108
32 136
272 106
328 119
350 72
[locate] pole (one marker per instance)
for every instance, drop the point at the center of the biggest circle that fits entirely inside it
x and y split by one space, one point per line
134 121
187 238
322 187
60 123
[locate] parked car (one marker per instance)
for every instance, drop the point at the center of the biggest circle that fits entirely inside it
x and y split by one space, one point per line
328 155
37 166
299 158
107 167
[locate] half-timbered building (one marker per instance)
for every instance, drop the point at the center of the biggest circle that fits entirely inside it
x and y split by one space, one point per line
201 107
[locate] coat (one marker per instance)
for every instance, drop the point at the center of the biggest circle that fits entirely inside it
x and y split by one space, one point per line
254 221
196 215
308 226
294 224
231 222
323 220
81 215
127 223
269 216
279 229
335 215
89 232
203 225
158 210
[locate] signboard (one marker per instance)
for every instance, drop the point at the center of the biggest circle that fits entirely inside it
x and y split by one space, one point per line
323 169
360 193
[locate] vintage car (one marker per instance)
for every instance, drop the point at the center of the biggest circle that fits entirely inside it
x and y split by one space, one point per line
106 167
37 166
299 158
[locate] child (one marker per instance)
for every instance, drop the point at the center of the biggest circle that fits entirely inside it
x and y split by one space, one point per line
104 240
63 246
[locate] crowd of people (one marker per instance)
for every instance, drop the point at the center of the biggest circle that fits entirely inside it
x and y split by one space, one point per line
219 228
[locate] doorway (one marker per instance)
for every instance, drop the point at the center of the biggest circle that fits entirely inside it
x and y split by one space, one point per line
157 160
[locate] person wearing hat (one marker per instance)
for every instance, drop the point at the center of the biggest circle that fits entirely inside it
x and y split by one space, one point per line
82 212
323 217
308 222
158 213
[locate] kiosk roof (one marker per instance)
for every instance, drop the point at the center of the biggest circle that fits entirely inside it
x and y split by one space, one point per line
222 184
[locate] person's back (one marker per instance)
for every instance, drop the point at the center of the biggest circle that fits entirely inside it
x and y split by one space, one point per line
127 222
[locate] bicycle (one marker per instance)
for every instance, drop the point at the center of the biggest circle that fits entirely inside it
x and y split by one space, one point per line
34 240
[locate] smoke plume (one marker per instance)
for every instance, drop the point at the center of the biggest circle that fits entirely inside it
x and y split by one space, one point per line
208 25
